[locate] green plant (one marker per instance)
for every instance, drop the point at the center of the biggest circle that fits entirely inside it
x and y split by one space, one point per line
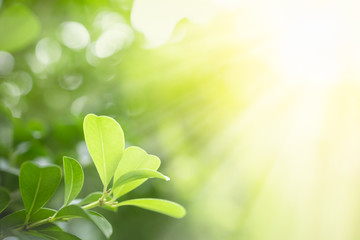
127 169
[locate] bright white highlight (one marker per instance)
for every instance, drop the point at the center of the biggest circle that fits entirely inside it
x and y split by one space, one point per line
48 51
116 38
74 35
7 62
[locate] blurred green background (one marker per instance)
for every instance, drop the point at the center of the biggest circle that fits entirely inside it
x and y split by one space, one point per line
241 100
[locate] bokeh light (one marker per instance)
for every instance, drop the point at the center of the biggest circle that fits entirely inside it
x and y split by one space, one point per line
252 106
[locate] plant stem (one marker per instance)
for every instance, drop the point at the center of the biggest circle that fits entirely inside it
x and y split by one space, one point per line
46 220
99 202
27 218
92 205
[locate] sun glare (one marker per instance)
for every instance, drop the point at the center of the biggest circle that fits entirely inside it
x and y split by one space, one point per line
308 42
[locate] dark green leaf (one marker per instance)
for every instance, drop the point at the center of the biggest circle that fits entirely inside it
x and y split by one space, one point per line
43 213
133 158
29 235
105 141
57 234
4 198
47 227
16 219
74 211
18 27
37 185
13 220
73 177
157 205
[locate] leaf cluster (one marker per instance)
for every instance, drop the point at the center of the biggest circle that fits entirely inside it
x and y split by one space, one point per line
123 169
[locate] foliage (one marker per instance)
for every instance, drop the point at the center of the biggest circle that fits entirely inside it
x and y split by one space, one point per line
105 141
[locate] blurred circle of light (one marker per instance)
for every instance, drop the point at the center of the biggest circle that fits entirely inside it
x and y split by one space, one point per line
114 39
105 20
7 62
71 82
83 154
90 55
23 81
74 35
10 94
48 51
77 107
34 63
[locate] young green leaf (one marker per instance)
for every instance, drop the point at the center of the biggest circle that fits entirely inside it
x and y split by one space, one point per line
92 197
138 174
95 196
157 205
73 178
105 141
4 198
74 211
133 158
37 185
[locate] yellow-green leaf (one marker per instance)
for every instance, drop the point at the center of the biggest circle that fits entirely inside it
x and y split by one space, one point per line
134 158
166 207
105 141
136 175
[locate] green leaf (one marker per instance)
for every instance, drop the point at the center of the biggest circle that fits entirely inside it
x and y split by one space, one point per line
13 220
92 197
4 198
37 185
157 205
74 211
134 158
105 141
57 234
46 231
29 235
101 222
73 178
137 175
48 227
18 28
16 219
42 214
95 196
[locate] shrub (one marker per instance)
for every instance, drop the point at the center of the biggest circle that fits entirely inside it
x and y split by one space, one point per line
123 169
